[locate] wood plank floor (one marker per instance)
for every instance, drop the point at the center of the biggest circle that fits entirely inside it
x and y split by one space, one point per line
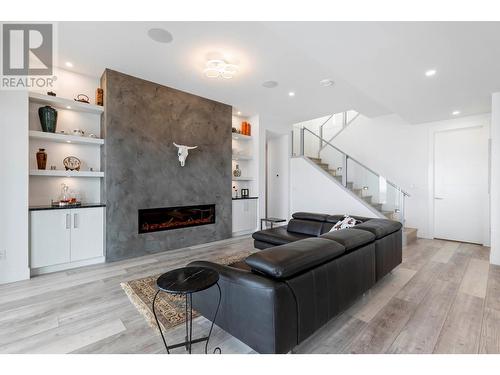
443 298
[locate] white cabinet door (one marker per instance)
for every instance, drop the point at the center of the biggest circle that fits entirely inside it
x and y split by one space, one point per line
87 240
244 215
50 237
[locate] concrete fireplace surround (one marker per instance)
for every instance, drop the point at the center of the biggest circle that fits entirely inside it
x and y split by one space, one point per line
140 122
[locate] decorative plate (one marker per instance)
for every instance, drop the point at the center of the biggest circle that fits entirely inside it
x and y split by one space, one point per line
72 163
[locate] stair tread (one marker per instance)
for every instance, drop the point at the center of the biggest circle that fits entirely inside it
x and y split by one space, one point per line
410 230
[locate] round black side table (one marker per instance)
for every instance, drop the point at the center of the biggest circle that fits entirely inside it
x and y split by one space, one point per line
186 281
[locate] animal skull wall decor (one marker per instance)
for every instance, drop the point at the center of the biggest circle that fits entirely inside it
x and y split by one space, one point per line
182 152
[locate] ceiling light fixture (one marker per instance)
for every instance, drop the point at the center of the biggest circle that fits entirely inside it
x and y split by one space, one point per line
455 113
69 64
291 93
239 113
68 107
430 73
326 82
220 68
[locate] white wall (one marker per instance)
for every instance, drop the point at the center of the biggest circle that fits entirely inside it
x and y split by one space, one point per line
495 179
13 186
403 154
313 191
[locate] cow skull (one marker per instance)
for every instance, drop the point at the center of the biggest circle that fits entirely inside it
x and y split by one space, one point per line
182 152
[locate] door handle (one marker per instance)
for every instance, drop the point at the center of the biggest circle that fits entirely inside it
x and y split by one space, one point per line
75 221
438 198
68 221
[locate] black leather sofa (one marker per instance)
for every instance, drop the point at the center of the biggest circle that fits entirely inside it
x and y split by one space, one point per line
277 297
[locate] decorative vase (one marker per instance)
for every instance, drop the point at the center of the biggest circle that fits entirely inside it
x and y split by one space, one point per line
48 118
237 171
41 158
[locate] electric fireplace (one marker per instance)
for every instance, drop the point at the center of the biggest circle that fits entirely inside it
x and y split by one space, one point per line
168 218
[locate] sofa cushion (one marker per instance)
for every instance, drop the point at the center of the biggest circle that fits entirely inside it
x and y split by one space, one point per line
310 216
350 238
285 261
380 227
309 227
278 236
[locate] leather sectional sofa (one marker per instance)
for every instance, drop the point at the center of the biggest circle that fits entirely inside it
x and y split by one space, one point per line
303 277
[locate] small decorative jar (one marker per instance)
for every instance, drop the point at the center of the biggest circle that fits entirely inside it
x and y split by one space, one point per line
237 171
41 158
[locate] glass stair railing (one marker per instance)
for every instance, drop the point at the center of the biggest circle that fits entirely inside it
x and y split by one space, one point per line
327 127
376 191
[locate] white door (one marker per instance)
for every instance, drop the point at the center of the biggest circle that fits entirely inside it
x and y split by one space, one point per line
50 237
461 185
87 240
277 176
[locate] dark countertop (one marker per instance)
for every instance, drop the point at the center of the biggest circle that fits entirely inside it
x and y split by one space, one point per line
49 207
237 199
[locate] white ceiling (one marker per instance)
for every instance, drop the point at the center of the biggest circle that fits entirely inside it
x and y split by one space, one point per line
378 67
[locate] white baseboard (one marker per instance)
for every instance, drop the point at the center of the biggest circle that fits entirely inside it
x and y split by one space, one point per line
66 266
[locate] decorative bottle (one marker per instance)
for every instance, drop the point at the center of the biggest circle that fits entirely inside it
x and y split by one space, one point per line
237 171
41 158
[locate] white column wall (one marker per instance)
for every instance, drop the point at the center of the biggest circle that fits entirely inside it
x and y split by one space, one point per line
13 186
495 179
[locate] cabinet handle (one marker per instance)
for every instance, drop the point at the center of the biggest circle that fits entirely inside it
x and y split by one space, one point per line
75 221
68 221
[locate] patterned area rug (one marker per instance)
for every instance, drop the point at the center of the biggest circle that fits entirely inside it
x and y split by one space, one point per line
169 308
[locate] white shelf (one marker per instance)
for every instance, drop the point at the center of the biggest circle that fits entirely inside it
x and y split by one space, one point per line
242 178
241 137
63 103
62 173
241 157
65 138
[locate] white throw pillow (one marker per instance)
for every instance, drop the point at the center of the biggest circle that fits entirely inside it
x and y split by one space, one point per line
346 222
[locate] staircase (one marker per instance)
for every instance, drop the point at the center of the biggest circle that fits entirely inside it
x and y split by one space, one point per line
382 197
360 192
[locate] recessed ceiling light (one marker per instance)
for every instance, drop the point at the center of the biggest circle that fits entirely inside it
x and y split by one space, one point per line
430 72
239 113
326 82
270 84
455 113
68 107
68 141
69 64
160 35
291 93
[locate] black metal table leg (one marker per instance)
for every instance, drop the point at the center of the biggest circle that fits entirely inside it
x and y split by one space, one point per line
158 323
186 315
213 322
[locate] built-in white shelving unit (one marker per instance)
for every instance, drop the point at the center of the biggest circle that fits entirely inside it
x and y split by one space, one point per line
241 157
66 237
62 103
63 173
45 184
65 138
245 154
242 137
